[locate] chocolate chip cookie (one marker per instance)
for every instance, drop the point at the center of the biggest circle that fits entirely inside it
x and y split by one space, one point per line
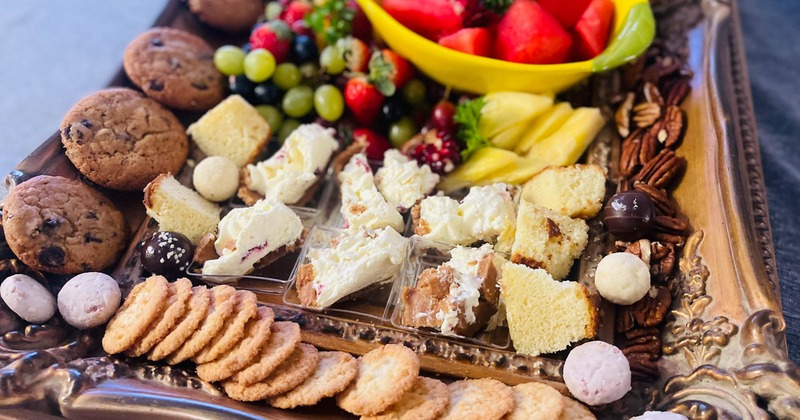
234 16
122 140
62 226
175 68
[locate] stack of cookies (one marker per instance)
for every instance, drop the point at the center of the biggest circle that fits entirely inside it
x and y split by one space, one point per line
237 343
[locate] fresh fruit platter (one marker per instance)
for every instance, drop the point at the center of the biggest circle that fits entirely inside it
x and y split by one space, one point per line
416 210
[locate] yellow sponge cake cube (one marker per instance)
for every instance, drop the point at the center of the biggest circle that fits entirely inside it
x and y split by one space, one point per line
233 129
548 240
180 209
544 315
574 191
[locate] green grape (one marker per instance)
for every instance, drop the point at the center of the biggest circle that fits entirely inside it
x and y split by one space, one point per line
287 76
229 60
271 115
288 126
332 60
273 10
329 102
259 65
414 92
298 101
401 131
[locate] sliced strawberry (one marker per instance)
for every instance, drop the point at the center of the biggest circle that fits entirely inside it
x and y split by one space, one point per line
356 53
363 99
528 34
403 72
475 41
274 36
429 18
377 145
296 11
591 32
566 12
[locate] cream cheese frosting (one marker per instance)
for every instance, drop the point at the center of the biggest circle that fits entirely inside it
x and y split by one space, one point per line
486 214
362 203
296 166
248 234
465 287
402 181
357 260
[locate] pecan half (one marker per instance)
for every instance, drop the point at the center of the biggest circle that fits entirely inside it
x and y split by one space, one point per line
661 170
624 320
650 145
646 344
677 91
651 93
646 113
642 332
623 115
671 128
676 240
659 250
664 204
672 225
641 249
661 67
666 265
642 367
651 309
629 161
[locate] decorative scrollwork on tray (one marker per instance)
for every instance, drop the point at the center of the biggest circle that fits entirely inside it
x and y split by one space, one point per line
753 381
700 340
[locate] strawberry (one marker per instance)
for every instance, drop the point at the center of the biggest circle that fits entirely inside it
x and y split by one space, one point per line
356 53
566 12
528 34
591 32
296 11
274 36
361 26
475 41
364 99
376 144
429 18
402 73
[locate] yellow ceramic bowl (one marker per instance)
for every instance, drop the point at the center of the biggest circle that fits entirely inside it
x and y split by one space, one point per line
634 28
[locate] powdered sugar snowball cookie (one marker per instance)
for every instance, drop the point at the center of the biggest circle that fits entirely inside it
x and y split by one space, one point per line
597 373
216 178
27 298
89 300
659 415
384 374
622 278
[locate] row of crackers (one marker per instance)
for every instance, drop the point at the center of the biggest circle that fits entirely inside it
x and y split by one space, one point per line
234 341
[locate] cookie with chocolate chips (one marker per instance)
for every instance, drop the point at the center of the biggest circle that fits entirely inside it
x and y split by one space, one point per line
60 225
175 68
122 140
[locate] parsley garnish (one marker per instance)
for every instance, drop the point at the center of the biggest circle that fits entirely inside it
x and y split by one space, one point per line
468 116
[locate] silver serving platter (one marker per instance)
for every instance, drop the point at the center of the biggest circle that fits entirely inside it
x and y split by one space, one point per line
724 345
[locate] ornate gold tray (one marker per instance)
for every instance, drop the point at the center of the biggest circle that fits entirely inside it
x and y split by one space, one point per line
724 346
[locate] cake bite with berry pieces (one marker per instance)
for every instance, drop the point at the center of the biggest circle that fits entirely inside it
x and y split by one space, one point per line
246 236
354 261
